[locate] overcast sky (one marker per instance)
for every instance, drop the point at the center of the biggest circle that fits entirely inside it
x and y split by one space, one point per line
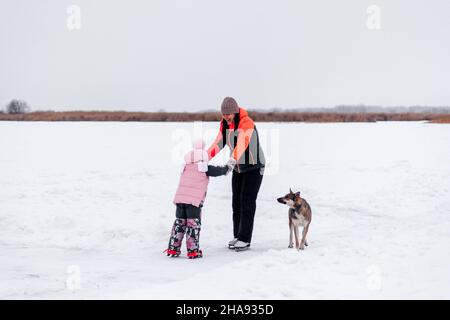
188 54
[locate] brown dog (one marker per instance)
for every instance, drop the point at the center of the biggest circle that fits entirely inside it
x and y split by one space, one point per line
299 215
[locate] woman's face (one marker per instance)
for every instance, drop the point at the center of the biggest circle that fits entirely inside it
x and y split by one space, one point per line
228 117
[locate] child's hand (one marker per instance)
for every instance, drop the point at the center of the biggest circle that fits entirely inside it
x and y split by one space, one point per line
202 166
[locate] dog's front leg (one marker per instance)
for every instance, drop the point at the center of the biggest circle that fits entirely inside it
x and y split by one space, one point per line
303 243
297 244
291 230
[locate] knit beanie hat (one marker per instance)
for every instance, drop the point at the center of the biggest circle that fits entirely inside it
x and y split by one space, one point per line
198 153
229 105
199 144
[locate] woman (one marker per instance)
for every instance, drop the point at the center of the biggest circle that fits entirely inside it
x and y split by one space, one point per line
238 131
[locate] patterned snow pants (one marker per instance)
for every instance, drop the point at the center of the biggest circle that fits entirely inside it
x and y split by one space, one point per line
188 221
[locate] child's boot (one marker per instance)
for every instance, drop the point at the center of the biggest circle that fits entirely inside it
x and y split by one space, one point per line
176 238
195 254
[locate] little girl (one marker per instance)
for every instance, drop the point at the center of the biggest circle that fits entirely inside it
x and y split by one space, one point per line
189 199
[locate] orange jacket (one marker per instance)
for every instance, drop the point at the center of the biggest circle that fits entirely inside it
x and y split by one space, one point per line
246 133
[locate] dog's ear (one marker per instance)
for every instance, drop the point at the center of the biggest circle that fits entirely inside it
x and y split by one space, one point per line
290 191
297 194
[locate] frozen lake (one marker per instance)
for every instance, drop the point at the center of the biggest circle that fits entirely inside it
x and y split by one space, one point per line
86 210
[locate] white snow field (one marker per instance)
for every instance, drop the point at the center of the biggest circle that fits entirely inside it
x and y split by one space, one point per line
86 210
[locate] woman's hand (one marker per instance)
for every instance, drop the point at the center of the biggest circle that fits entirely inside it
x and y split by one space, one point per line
230 164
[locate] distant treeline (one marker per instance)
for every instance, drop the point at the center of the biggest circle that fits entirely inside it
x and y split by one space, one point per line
259 116
361 108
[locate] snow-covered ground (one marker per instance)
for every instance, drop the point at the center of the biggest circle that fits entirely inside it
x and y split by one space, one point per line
86 210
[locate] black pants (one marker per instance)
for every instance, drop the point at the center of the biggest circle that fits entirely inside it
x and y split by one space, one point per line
188 211
245 188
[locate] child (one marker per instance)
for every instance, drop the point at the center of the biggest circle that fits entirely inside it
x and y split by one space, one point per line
189 200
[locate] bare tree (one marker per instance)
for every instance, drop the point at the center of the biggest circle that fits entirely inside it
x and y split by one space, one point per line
17 107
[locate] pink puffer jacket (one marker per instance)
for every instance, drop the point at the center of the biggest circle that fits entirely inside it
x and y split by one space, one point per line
193 182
